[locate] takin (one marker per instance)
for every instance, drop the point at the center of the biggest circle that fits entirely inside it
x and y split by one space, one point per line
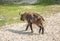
33 18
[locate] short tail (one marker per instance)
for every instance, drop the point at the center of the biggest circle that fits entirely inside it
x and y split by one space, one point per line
42 18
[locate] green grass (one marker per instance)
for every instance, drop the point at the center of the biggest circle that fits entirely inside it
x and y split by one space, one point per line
2 22
11 13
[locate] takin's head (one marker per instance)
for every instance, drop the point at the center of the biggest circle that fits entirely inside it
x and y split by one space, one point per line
23 16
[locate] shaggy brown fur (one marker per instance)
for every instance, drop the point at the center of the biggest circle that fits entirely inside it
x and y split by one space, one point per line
33 18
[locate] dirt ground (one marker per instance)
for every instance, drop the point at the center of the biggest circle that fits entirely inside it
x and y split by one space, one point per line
15 32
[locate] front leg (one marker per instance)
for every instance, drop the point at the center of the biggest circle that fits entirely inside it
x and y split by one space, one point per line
27 27
31 27
39 29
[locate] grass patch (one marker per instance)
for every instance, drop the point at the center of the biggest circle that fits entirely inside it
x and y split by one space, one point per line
2 22
11 12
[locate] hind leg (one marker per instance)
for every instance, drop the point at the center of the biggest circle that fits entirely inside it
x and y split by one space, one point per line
42 30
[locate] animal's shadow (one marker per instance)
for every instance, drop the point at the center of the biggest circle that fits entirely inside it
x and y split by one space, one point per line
21 32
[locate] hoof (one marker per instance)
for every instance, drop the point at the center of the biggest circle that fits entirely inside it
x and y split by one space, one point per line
39 33
25 30
31 31
42 33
